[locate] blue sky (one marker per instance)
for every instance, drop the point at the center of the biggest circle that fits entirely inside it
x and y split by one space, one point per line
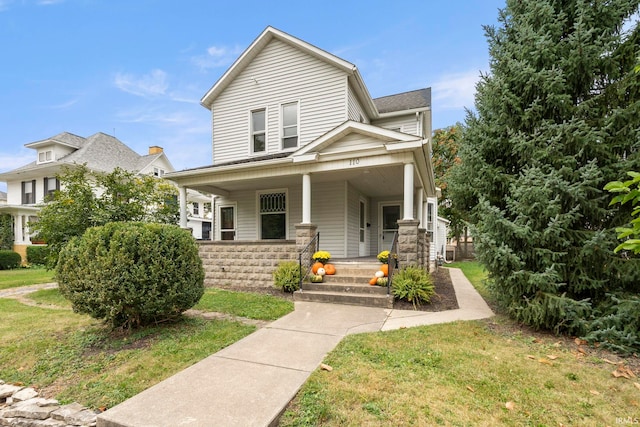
138 68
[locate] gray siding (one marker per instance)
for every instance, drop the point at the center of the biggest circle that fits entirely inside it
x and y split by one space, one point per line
279 74
407 124
328 212
355 109
353 222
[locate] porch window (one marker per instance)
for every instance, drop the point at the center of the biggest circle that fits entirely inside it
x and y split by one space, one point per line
50 186
258 131
196 208
29 192
430 217
290 125
273 215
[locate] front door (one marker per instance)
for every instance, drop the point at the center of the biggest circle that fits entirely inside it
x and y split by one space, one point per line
362 229
390 213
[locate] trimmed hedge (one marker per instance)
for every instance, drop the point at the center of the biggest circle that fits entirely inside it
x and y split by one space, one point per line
9 260
131 274
37 254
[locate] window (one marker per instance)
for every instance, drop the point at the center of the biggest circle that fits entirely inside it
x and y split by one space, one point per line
258 131
50 186
290 125
158 172
429 216
227 219
29 192
273 215
196 208
45 156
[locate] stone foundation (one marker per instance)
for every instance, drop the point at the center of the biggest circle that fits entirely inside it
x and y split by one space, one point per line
244 263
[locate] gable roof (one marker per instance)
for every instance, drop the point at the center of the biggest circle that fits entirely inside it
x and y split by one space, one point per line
263 39
412 100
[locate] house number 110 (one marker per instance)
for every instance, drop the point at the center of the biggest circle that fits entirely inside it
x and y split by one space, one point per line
353 162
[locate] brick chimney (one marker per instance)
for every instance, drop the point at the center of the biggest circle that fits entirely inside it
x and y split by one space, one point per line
154 149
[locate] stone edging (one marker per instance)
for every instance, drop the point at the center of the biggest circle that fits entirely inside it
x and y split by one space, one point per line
21 406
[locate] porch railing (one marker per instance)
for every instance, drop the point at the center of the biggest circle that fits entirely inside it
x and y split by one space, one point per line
393 261
305 259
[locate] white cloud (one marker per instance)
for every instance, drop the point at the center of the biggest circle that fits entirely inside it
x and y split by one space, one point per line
216 56
455 91
10 161
4 5
49 2
152 84
64 105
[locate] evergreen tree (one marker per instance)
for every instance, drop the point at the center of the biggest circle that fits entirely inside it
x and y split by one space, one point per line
558 117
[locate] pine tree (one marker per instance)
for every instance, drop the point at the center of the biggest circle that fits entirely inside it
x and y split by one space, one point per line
557 117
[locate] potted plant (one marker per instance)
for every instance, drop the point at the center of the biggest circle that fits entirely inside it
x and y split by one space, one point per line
321 257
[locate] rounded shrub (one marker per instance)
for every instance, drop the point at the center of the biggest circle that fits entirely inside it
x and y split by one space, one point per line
131 274
287 276
413 284
9 260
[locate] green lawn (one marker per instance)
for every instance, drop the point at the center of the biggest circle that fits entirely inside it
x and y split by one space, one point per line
475 272
478 373
72 357
24 277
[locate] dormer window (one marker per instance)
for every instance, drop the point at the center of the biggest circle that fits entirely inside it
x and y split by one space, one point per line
45 156
290 125
258 131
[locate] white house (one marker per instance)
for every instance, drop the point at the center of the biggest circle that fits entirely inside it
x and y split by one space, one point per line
298 141
28 185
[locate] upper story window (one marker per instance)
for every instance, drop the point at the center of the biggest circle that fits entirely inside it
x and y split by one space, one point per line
29 192
290 125
45 156
51 185
258 131
158 172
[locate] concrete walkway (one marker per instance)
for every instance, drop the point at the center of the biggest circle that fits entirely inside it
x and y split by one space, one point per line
251 382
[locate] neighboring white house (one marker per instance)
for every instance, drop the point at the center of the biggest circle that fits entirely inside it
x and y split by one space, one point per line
297 139
28 185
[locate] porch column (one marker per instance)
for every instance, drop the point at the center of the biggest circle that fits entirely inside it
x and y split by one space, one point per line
420 205
306 199
408 243
183 206
408 191
17 231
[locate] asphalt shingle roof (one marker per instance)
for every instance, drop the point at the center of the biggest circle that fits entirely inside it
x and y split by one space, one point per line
420 98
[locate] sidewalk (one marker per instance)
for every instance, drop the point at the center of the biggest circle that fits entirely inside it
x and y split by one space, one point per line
251 382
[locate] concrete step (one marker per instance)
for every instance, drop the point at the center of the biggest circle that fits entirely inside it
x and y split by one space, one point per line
347 288
366 300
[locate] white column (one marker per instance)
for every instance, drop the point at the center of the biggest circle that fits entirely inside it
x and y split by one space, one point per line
408 191
17 221
183 206
306 198
420 204
27 233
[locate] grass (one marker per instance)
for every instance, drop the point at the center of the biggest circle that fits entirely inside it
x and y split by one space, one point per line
24 277
249 305
460 374
75 358
479 373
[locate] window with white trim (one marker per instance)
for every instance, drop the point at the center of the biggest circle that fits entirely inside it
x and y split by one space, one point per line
45 156
430 216
196 208
158 172
50 186
29 192
290 125
258 131
273 215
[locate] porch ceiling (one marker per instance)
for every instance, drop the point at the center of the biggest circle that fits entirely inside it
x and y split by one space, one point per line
381 181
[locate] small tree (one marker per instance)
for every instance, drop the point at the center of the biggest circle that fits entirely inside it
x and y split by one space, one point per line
88 199
6 231
131 274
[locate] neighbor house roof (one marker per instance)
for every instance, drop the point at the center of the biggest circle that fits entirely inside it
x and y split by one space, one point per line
413 100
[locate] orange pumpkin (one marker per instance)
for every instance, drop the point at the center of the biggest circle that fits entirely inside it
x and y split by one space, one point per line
330 269
385 269
373 281
316 266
